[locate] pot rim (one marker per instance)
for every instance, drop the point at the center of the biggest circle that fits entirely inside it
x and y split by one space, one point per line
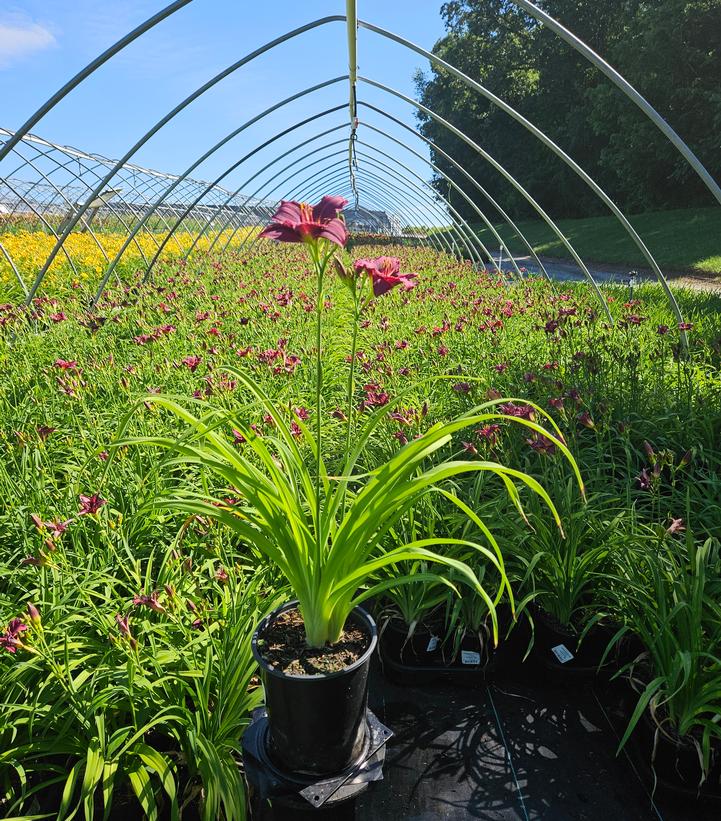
362 614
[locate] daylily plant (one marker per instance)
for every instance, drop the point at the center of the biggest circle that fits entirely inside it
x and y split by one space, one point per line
327 533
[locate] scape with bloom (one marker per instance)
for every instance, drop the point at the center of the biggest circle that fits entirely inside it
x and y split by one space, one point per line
385 274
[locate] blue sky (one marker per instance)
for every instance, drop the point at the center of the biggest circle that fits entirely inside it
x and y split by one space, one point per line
44 42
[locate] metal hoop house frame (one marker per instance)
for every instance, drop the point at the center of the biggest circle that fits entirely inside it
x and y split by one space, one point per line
67 190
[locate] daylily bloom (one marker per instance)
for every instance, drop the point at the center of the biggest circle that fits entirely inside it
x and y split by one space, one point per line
150 601
541 444
385 274
90 504
192 362
520 411
676 526
66 364
10 638
584 418
55 528
301 222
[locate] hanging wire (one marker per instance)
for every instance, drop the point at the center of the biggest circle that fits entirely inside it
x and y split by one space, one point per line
352 29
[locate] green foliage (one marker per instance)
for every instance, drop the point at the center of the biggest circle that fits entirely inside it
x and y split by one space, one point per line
423 358
684 240
669 50
566 576
149 713
671 602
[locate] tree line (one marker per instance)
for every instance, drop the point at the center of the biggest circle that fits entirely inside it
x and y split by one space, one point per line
670 50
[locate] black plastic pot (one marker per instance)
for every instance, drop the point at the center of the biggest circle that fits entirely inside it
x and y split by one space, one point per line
317 722
587 654
425 658
675 763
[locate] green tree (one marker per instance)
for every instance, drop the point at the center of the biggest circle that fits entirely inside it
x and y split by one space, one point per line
667 48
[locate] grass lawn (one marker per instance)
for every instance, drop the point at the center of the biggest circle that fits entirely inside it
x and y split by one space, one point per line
682 240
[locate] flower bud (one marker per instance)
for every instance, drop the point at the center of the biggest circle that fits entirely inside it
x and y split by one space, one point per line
34 615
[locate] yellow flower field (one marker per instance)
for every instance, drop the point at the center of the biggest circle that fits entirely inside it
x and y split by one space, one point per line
90 256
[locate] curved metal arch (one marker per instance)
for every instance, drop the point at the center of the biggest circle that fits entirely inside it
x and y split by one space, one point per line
89 164
229 170
393 200
13 267
470 235
402 196
51 230
257 191
68 204
84 165
254 151
545 19
51 102
388 200
630 91
317 180
510 178
133 178
203 200
468 176
139 187
48 156
267 182
549 143
168 117
192 167
470 232
429 206
574 41
268 193
472 204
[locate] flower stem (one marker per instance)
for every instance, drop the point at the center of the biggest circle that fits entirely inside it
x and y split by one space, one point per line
320 270
351 386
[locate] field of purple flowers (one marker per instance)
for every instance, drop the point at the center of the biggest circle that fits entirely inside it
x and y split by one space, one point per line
114 637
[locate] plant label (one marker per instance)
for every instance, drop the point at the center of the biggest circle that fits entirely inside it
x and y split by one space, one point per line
562 653
432 644
470 657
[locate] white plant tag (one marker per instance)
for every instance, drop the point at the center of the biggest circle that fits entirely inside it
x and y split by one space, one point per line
432 644
470 657
562 653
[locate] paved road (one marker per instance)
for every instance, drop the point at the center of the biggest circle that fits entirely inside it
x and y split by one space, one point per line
568 271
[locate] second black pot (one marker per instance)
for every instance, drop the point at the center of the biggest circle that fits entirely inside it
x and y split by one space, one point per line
317 723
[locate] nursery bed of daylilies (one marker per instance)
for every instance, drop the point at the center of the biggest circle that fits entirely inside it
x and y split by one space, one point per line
125 667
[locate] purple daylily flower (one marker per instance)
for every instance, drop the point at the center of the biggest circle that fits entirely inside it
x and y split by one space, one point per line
385 274
301 222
